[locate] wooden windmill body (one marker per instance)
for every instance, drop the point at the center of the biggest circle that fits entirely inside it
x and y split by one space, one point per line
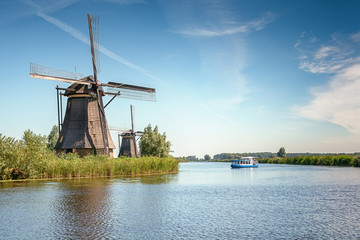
128 140
85 130
128 145
81 130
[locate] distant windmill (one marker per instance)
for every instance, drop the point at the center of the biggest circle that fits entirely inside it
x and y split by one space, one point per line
128 139
85 129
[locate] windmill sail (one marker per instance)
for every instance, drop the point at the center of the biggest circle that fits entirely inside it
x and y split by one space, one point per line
132 130
94 35
131 91
93 23
39 71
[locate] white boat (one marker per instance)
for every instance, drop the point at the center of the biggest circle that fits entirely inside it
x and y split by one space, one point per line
244 162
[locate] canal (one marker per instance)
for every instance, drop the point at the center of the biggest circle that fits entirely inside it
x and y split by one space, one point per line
203 201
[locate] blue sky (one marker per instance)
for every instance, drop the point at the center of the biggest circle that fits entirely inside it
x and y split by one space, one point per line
231 76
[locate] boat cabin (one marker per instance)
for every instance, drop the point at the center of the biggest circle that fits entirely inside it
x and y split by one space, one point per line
244 162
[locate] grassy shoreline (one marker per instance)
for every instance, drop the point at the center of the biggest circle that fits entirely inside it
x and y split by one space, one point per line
31 158
321 160
326 160
52 166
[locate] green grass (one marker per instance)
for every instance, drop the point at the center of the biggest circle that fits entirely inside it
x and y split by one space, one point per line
29 158
71 165
325 160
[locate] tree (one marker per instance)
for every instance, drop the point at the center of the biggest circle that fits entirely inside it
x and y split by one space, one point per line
152 143
207 157
191 158
32 141
281 152
53 137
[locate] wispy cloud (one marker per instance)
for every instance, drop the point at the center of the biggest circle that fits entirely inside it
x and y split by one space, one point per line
338 101
70 30
229 29
85 39
226 103
49 5
356 37
329 57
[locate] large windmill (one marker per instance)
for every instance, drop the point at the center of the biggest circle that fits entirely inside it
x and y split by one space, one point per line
85 129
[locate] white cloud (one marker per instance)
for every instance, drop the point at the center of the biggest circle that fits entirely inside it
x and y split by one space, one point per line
49 5
325 52
254 25
72 31
80 36
338 101
356 37
330 58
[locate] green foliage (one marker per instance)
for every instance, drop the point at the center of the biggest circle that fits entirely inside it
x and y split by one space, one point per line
152 143
191 158
207 157
71 165
281 152
355 161
326 160
20 158
30 158
10 153
53 137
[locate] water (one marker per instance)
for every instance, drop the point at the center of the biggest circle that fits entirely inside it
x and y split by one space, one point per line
202 201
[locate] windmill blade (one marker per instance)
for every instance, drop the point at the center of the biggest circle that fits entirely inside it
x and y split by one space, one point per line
135 148
116 129
131 94
132 129
102 122
131 91
128 86
132 117
42 72
94 43
93 22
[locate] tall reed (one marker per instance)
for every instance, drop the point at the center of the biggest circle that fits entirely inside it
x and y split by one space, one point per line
29 158
327 160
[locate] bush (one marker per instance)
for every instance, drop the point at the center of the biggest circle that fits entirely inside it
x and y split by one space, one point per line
355 161
152 143
327 160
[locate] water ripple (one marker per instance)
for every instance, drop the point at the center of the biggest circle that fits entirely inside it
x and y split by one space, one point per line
204 201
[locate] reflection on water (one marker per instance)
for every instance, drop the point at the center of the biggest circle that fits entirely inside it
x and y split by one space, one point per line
202 201
81 209
147 179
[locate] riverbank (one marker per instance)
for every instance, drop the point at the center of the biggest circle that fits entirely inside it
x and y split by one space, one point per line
71 165
32 158
326 160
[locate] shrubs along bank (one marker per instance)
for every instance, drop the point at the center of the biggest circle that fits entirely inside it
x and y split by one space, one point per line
31 158
326 160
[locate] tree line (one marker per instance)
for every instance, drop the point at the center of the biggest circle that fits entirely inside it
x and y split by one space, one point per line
261 155
322 159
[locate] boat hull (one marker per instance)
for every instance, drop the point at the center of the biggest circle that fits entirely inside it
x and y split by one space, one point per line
243 166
